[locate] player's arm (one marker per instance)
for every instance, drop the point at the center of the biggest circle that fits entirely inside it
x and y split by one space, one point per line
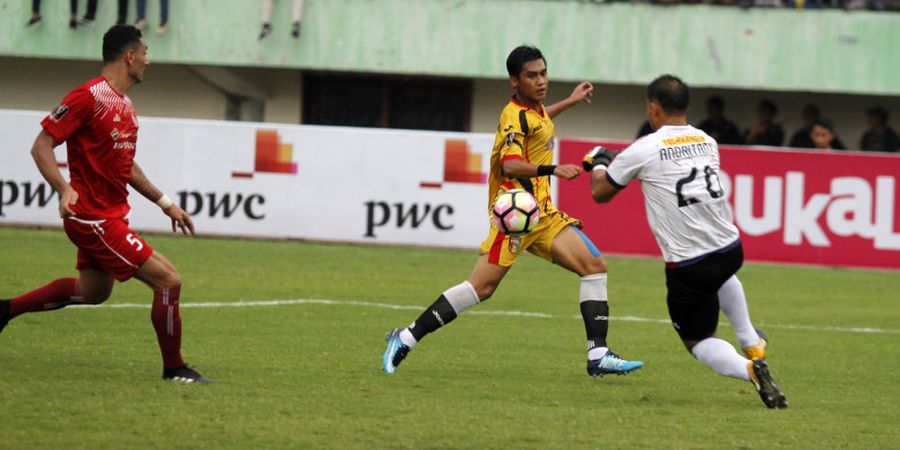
142 184
42 152
582 93
596 161
518 168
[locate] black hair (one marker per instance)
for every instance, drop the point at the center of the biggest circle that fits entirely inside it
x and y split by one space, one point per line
670 92
879 113
769 106
716 102
118 39
812 109
519 56
824 123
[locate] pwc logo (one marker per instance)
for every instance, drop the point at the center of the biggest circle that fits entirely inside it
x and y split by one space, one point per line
271 157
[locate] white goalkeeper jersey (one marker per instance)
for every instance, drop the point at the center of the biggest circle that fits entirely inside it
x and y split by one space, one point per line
678 168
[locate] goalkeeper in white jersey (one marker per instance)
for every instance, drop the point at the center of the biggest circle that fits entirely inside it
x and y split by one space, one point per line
678 169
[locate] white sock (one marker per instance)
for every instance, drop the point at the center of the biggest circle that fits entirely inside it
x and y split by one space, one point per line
407 338
462 297
734 304
597 353
722 357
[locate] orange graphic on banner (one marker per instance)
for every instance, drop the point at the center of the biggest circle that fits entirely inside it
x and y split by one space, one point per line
272 155
460 165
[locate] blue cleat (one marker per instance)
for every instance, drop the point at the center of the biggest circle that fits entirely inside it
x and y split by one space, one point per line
395 352
612 363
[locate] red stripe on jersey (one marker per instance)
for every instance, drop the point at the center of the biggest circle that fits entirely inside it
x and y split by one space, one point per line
496 247
508 157
508 185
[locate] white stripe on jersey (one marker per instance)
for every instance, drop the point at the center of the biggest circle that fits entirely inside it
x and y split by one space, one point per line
678 167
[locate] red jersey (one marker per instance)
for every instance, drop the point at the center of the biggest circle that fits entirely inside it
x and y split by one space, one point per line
100 128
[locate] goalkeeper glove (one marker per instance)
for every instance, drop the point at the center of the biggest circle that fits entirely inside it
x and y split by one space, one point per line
598 156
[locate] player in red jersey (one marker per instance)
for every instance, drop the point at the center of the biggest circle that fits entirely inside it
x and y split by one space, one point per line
98 124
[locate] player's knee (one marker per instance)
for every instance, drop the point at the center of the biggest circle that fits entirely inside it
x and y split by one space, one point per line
96 296
170 280
595 265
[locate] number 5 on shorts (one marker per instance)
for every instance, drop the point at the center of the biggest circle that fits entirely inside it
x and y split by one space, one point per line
133 240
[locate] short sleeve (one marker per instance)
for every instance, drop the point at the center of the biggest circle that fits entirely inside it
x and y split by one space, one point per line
74 110
515 129
625 167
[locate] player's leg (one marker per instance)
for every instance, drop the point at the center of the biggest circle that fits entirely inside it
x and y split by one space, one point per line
161 276
479 287
733 303
694 310
572 249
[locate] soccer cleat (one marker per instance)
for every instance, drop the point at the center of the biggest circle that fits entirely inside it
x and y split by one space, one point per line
612 363
758 351
4 314
765 385
395 352
185 375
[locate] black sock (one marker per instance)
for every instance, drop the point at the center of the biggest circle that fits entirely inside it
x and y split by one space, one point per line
596 321
440 313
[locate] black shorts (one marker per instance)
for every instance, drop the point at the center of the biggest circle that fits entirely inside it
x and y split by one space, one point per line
693 291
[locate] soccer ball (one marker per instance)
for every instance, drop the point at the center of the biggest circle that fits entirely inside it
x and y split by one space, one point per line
516 212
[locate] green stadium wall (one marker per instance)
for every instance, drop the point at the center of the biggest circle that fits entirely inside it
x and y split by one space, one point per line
719 47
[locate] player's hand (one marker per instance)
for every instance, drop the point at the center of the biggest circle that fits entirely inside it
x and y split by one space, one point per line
181 218
582 93
66 199
597 156
567 171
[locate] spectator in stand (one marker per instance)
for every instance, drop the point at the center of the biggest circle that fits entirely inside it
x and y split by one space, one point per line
89 16
801 138
141 22
822 134
296 13
716 125
73 13
880 137
766 131
644 130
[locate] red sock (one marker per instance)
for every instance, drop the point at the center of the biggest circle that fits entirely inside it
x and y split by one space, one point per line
57 294
167 323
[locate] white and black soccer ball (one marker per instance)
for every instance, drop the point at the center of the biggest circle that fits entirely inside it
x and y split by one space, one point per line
516 212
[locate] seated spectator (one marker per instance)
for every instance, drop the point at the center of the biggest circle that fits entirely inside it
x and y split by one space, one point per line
880 137
644 130
766 131
822 134
716 125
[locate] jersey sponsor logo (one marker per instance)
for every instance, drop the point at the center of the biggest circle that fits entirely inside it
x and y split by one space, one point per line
683 140
124 146
59 112
117 118
515 244
115 134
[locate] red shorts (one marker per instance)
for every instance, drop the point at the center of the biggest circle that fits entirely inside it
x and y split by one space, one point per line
108 245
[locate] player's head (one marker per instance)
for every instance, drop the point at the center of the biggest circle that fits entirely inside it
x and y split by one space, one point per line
667 97
527 70
124 44
822 133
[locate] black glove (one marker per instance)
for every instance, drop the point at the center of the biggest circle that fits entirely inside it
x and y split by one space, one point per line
598 156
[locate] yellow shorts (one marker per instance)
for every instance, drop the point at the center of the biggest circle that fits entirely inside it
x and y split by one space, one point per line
503 250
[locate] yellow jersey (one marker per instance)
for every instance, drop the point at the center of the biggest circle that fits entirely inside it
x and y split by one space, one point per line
525 133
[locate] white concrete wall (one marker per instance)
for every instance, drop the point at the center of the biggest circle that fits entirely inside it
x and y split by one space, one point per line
616 112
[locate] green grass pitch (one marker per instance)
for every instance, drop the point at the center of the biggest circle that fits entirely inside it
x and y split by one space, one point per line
308 375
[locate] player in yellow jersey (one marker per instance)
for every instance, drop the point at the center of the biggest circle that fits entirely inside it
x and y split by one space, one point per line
522 159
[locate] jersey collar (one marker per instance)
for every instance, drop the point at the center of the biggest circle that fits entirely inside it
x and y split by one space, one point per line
518 103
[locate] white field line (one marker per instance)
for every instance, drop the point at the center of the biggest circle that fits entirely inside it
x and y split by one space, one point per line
258 303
